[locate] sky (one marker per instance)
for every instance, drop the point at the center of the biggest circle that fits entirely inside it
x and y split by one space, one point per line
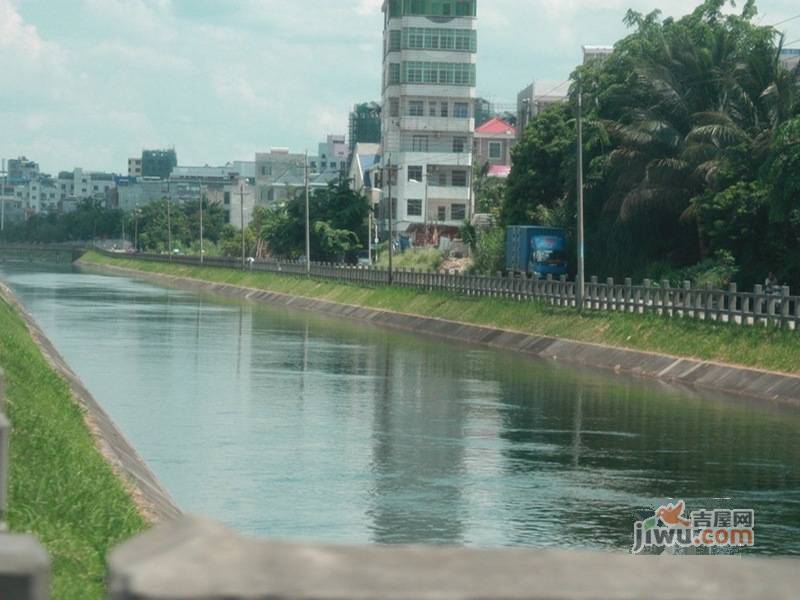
89 83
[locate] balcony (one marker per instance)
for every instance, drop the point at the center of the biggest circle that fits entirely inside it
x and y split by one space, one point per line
438 124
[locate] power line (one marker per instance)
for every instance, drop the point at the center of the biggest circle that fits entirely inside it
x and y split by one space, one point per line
560 85
786 20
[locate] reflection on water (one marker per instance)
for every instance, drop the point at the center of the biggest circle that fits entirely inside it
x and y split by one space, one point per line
297 426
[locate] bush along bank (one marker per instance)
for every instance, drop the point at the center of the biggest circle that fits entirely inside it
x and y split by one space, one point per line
754 347
62 490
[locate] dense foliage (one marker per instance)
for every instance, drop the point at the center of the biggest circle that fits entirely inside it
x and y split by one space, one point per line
338 216
691 147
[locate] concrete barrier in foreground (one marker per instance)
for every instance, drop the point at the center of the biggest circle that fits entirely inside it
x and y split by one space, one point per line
24 568
194 558
24 565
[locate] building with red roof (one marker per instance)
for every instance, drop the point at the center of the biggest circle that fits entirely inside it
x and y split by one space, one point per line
493 143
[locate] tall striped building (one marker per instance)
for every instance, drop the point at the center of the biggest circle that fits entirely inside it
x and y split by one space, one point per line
428 121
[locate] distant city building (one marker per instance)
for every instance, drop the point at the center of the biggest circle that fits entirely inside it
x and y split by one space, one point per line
494 141
483 111
84 185
158 163
332 155
21 170
232 196
133 193
280 173
10 205
591 53
364 171
790 57
530 104
134 167
429 77
365 125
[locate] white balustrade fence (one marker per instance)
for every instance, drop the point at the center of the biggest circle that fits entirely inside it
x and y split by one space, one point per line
767 307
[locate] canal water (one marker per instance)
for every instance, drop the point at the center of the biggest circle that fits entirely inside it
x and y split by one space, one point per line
292 425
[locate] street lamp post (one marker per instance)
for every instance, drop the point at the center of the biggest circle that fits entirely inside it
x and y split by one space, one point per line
169 228
201 225
391 223
241 212
308 221
581 283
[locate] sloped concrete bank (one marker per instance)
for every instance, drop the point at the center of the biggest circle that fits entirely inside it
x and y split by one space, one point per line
153 501
778 388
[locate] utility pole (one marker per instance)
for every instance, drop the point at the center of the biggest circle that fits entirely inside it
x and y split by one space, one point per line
3 198
391 222
241 212
581 283
201 225
169 227
136 230
427 202
308 222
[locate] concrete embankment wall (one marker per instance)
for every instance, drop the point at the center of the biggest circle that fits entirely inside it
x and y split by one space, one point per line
152 499
778 388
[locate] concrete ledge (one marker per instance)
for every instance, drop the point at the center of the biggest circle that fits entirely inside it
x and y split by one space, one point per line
153 501
778 388
24 568
195 558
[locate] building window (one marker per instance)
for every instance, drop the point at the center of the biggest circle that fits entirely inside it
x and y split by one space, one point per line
461 110
495 150
445 109
459 144
442 179
459 179
419 143
458 212
462 74
394 40
227 199
433 110
394 107
414 208
441 213
394 73
415 174
416 108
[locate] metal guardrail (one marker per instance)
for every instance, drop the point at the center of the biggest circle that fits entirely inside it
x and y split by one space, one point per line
774 307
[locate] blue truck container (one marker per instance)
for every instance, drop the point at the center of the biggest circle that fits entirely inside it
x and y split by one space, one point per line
536 250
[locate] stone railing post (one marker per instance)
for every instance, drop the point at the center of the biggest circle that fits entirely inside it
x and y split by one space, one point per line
758 303
785 299
733 302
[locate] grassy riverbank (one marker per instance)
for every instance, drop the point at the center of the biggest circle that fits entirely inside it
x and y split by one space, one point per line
763 348
61 488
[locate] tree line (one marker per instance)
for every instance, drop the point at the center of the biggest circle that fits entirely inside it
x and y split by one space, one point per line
338 216
692 154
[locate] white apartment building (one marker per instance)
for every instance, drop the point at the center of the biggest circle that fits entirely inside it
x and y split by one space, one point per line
428 121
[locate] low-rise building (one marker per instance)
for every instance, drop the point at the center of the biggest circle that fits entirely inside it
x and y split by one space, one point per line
237 197
279 172
134 167
158 163
22 170
493 143
790 58
591 53
365 125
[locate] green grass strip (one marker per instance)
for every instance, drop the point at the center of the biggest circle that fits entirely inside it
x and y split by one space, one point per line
758 347
61 488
